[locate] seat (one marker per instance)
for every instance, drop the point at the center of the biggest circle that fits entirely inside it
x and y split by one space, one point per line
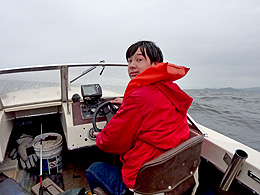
171 173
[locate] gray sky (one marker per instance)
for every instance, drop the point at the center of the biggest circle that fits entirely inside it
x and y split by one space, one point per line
219 40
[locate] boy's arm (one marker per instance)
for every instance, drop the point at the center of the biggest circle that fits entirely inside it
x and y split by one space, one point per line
122 130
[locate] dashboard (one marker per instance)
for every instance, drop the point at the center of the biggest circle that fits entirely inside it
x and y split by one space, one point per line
78 120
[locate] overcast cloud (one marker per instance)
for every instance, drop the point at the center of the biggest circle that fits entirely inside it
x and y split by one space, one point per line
219 40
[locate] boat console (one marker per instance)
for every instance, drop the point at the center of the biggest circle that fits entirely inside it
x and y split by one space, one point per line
83 110
86 114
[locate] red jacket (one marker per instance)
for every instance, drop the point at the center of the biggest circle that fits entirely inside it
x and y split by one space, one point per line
151 120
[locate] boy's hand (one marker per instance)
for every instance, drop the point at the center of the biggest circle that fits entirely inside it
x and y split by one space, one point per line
118 100
95 133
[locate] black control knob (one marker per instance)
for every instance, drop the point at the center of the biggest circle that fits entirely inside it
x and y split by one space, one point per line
76 98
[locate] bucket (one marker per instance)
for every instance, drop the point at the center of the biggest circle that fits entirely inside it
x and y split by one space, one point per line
51 152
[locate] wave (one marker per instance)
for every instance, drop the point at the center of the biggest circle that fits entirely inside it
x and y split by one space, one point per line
233 114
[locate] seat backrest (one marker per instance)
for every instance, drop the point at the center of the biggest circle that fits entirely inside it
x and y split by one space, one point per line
172 172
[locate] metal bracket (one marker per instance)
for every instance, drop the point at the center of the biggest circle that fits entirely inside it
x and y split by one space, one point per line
227 159
253 176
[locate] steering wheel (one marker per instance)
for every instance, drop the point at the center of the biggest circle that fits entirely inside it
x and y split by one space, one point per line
106 109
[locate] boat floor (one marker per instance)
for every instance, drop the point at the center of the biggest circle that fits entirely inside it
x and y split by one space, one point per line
76 162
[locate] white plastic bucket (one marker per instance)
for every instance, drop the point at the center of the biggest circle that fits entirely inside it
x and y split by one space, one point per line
51 152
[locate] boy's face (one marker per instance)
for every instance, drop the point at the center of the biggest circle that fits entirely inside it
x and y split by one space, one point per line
137 63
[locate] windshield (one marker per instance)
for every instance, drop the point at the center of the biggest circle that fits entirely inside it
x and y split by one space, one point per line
44 86
29 87
113 80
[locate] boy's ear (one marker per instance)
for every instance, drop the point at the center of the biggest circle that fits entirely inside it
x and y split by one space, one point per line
154 63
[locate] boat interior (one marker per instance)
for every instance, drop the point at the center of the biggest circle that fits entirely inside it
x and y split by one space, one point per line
75 113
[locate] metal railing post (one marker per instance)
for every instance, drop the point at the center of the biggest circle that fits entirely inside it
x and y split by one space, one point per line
64 86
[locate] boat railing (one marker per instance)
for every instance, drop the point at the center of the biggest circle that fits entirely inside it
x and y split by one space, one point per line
196 125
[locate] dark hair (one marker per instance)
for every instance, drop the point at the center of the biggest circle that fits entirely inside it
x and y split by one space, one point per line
153 52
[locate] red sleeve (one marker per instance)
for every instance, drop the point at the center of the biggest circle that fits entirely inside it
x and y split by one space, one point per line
122 130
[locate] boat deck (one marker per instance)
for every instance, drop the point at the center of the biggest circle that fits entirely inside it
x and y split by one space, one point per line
77 161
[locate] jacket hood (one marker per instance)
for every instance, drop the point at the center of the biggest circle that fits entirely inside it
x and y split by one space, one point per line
162 76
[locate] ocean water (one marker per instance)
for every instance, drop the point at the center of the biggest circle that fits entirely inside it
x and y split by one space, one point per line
234 113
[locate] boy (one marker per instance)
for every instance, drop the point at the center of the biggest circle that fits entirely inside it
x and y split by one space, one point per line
151 120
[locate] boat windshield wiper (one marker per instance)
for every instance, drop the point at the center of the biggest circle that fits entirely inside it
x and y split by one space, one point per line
83 73
101 72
